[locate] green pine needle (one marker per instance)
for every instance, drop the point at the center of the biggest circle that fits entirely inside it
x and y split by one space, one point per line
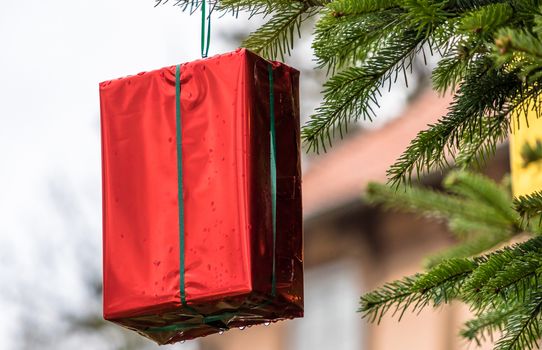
529 206
275 39
440 285
486 324
523 329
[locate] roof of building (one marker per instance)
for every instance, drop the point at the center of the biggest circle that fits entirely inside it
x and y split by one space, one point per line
339 176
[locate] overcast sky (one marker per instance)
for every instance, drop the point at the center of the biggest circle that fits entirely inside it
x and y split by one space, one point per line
53 54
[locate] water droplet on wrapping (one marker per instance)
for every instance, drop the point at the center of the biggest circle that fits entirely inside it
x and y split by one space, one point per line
241 328
170 139
221 332
267 323
249 326
156 263
183 341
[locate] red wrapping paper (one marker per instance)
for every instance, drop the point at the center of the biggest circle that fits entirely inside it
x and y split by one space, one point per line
231 263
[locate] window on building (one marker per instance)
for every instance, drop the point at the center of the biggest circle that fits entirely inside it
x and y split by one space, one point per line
331 319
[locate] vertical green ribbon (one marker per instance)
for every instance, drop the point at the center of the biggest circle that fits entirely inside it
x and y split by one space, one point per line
205 48
180 179
273 171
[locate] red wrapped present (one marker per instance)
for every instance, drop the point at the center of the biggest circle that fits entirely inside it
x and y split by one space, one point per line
202 197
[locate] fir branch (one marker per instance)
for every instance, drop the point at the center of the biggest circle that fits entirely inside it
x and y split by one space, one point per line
529 206
470 37
276 37
486 20
450 71
480 243
439 285
479 328
464 228
377 303
488 93
515 279
520 49
356 7
260 7
523 327
425 15
478 148
482 190
466 5
346 34
349 94
479 289
428 22
444 282
433 204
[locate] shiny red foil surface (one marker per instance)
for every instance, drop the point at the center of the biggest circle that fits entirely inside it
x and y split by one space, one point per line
226 192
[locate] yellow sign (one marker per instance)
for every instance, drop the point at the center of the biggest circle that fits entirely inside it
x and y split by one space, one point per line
526 154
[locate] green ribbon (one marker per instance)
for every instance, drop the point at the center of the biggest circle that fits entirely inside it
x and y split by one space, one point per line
180 179
204 47
273 170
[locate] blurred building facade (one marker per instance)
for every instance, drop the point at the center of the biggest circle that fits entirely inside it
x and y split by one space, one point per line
352 247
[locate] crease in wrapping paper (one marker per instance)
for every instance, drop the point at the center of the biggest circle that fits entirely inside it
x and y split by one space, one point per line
225 108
